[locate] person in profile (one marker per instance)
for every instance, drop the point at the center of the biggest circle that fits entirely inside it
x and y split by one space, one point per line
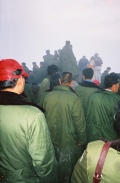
26 150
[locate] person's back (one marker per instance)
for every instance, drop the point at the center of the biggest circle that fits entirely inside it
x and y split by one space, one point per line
48 59
83 62
27 154
86 88
45 85
105 73
85 168
66 123
68 61
101 108
41 73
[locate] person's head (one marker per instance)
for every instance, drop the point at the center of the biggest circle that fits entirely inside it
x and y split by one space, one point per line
67 42
23 64
112 82
47 52
41 64
96 54
34 63
108 69
52 69
87 73
66 78
54 80
12 76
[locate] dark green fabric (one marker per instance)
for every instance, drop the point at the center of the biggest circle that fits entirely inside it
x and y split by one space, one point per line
68 61
29 93
84 91
105 73
100 115
45 85
41 74
67 126
26 150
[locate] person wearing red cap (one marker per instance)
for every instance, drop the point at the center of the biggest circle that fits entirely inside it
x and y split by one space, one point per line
26 150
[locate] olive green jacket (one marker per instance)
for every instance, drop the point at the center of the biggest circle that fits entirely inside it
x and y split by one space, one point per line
67 126
26 151
85 167
84 91
100 115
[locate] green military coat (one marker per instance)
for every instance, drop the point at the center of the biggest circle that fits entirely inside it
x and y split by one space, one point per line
26 150
84 91
100 115
67 126
85 167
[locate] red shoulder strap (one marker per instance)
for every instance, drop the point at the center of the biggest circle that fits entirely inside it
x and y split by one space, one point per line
98 171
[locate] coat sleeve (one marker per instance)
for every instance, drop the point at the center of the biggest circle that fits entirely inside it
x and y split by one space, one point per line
79 121
41 150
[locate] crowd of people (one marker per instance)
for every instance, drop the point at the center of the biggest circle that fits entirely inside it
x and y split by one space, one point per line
56 118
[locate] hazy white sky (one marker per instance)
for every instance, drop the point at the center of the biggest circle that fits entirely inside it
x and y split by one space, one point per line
29 27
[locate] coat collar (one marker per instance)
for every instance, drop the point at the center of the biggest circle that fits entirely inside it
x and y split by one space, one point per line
10 98
89 84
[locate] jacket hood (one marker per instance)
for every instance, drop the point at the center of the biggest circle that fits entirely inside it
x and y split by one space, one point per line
10 98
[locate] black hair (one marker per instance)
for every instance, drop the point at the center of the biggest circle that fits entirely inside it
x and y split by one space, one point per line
10 83
52 69
111 79
88 73
54 80
66 77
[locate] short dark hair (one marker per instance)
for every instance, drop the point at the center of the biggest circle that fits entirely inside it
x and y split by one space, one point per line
88 73
52 69
54 80
10 83
66 77
111 79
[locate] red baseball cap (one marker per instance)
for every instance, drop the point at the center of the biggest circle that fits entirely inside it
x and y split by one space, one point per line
7 67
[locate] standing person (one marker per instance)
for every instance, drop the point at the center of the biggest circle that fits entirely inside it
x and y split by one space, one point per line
97 69
35 68
67 126
41 73
83 63
45 85
100 111
26 151
25 67
68 61
84 169
48 58
105 73
86 88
